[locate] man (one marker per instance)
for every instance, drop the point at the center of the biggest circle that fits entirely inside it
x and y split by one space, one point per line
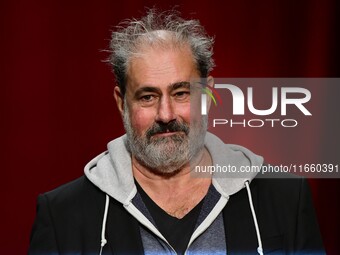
140 196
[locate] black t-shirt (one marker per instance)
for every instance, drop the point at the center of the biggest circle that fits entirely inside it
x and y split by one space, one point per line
176 231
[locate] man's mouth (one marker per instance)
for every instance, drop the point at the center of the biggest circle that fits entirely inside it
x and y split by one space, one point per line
166 133
167 130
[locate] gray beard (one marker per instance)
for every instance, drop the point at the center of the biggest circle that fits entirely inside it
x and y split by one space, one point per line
165 155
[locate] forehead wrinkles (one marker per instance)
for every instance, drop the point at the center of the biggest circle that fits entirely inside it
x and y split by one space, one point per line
157 40
146 51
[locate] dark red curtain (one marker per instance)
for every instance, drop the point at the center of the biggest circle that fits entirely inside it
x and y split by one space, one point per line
57 110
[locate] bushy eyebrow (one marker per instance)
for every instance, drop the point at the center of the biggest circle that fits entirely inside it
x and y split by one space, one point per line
178 85
171 87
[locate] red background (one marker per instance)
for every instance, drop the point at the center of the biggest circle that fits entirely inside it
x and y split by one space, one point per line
57 109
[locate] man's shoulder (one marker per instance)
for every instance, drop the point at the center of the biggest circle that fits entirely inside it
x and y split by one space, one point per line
74 192
280 182
71 187
282 190
70 215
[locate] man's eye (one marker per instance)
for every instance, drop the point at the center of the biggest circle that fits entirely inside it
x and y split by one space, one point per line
147 98
182 94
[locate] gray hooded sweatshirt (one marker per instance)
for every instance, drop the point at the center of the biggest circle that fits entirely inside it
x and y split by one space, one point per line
111 172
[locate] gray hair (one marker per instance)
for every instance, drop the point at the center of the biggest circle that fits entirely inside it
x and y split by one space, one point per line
132 34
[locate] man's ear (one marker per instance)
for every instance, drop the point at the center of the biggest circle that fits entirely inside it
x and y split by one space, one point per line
119 100
210 83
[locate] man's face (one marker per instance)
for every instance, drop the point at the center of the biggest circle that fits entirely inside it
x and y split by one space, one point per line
157 106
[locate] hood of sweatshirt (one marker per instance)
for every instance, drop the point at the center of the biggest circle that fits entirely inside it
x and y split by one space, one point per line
111 171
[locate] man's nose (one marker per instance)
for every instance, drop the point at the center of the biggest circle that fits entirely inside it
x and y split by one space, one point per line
165 112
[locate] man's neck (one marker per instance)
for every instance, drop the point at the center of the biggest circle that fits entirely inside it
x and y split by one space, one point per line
176 194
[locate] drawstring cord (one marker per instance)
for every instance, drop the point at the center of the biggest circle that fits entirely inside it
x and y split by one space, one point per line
103 240
259 249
